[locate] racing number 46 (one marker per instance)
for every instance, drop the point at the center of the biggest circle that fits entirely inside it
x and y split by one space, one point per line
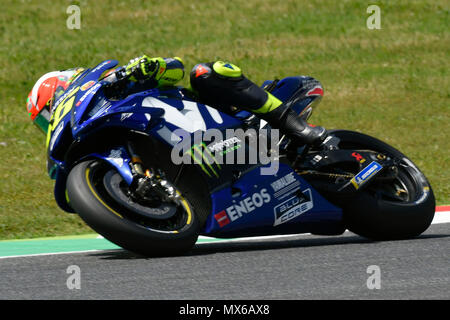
61 110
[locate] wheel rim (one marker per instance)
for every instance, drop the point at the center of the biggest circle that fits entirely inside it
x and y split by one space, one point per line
118 190
175 220
401 189
410 182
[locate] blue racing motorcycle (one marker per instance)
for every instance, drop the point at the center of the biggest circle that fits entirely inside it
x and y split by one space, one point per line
112 160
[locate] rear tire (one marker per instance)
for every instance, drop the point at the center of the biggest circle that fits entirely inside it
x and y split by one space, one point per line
117 224
372 216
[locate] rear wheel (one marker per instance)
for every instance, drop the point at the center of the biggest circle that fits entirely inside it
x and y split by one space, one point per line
153 225
398 207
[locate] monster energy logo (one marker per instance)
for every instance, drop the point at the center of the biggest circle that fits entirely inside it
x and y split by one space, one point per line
210 149
203 157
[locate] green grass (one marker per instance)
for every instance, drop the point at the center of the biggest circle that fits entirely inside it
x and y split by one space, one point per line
391 83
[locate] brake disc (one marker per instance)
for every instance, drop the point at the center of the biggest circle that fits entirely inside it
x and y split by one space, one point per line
113 183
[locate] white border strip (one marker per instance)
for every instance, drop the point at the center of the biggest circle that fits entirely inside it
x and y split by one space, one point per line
441 217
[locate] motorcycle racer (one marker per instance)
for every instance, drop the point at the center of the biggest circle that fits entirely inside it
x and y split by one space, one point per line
219 84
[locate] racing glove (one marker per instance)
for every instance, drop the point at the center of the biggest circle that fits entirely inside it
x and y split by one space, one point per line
142 68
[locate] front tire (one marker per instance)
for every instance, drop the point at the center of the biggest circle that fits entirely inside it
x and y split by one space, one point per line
89 198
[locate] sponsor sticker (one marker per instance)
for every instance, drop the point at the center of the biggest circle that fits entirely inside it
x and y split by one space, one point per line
116 157
225 145
283 182
366 174
285 186
358 157
222 218
87 85
205 159
293 207
90 92
125 116
243 207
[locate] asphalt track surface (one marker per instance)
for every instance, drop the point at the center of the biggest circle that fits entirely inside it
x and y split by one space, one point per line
289 268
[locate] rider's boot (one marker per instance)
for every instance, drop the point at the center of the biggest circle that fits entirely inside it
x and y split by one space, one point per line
282 117
222 84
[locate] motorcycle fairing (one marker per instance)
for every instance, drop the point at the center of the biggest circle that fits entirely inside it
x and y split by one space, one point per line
159 113
261 205
63 108
144 111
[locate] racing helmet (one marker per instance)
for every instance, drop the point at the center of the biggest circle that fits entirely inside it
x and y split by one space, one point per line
45 92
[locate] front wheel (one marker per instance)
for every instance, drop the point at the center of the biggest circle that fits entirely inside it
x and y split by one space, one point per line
152 228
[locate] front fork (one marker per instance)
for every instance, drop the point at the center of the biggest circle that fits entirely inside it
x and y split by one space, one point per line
148 182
